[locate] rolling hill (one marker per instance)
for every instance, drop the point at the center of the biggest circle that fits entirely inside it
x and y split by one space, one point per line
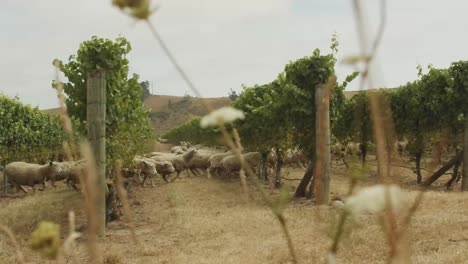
168 111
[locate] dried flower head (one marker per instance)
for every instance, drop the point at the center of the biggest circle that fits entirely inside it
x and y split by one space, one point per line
221 116
139 9
373 199
46 239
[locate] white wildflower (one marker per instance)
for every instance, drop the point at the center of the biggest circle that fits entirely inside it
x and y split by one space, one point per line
222 115
373 199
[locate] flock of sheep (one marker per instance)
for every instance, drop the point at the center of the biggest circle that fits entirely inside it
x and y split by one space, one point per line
199 159
196 160
192 159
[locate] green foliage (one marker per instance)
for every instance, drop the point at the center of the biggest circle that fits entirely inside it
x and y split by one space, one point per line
354 123
233 95
459 72
264 125
424 107
282 113
303 77
27 133
192 132
128 127
146 92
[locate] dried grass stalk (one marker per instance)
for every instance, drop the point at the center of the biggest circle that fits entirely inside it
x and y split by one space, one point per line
124 198
14 242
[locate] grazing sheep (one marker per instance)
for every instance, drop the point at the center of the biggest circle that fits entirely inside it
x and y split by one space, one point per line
179 161
22 173
232 164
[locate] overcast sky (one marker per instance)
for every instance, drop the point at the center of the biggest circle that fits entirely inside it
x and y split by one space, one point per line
223 44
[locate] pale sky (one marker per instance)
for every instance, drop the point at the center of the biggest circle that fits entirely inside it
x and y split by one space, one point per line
223 44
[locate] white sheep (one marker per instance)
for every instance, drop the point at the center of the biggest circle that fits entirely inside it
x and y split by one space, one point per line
164 168
232 164
178 149
71 172
179 161
215 163
22 173
147 168
199 161
295 157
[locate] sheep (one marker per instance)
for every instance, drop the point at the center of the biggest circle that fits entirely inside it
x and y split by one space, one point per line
162 140
185 144
352 149
71 171
22 173
215 163
147 168
179 161
232 164
164 168
200 160
149 155
178 150
295 157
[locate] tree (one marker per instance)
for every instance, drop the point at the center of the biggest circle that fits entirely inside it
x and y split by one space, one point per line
423 108
146 92
354 123
128 126
264 127
303 77
410 120
233 95
459 72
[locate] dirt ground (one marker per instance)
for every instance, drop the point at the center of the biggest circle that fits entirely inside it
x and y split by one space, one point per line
201 220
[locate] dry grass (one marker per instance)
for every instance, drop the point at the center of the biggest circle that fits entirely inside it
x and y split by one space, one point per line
22 215
197 220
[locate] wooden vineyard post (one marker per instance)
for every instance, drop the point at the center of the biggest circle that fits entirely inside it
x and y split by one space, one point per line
96 120
322 144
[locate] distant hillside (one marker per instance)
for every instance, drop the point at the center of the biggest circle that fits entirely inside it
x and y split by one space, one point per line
169 111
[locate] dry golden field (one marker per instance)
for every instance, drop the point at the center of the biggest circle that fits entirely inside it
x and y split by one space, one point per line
201 220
